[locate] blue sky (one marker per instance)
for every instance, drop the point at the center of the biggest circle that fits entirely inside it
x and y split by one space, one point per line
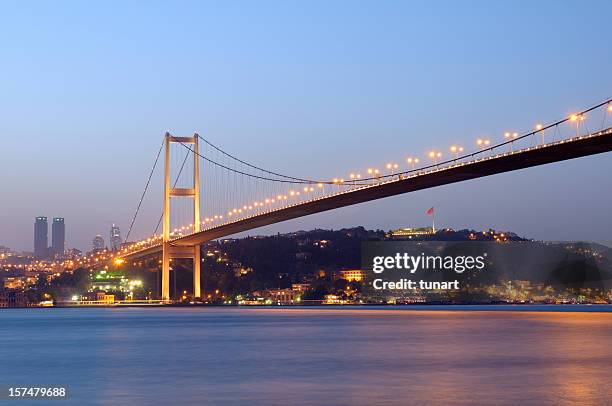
315 89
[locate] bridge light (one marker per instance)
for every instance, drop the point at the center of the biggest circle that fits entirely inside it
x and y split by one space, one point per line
573 117
538 127
610 107
291 193
432 154
456 150
320 185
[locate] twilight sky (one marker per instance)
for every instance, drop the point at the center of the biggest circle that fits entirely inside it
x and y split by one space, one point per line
316 89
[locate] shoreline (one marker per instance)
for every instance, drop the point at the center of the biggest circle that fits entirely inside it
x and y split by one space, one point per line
552 308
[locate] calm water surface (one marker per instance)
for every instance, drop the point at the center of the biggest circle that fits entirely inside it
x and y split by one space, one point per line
359 356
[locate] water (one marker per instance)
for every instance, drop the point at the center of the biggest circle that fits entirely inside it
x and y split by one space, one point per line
359 356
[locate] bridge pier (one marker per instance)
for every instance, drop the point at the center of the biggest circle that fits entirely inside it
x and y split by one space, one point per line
197 262
165 282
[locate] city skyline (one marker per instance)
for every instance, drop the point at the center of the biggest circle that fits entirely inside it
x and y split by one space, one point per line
328 95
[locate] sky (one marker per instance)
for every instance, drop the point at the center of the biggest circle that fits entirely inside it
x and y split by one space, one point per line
314 89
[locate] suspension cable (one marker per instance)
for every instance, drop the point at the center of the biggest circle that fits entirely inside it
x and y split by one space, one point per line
254 166
360 182
144 192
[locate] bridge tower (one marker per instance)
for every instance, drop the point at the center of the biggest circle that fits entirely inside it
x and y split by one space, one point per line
169 251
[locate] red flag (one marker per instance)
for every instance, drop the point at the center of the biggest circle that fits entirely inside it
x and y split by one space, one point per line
430 211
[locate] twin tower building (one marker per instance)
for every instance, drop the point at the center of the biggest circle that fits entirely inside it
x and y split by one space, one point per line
58 237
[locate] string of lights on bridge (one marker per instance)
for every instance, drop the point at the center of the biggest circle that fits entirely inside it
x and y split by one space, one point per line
248 190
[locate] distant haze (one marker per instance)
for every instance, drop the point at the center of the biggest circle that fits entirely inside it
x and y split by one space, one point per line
314 89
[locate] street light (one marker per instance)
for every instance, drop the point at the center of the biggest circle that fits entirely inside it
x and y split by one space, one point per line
482 143
435 155
577 118
456 150
412 161
510 136
538 128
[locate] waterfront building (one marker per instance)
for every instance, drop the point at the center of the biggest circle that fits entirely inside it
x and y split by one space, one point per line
300 288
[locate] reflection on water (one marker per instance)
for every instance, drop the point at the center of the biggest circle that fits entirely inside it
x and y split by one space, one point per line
310 356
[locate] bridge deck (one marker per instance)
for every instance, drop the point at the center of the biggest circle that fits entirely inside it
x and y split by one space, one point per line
563 150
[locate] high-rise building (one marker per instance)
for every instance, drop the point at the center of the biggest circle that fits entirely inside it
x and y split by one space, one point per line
58 236
40 237
115 238
98 243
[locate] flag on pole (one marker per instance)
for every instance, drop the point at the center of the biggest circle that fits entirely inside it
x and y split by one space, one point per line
430 212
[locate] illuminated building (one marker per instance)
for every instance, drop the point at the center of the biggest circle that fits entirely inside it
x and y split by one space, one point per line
58 236
352 275
409 232
108 280
115 238
40 237
334 299
98 243
300 288
105 298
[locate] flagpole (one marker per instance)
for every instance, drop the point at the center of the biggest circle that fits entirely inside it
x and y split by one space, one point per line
433 222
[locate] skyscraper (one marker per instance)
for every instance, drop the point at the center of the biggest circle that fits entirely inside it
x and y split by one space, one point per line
58 236
40 237
115 238
98 243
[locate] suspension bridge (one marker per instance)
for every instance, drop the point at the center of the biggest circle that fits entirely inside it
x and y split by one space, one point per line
234 195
